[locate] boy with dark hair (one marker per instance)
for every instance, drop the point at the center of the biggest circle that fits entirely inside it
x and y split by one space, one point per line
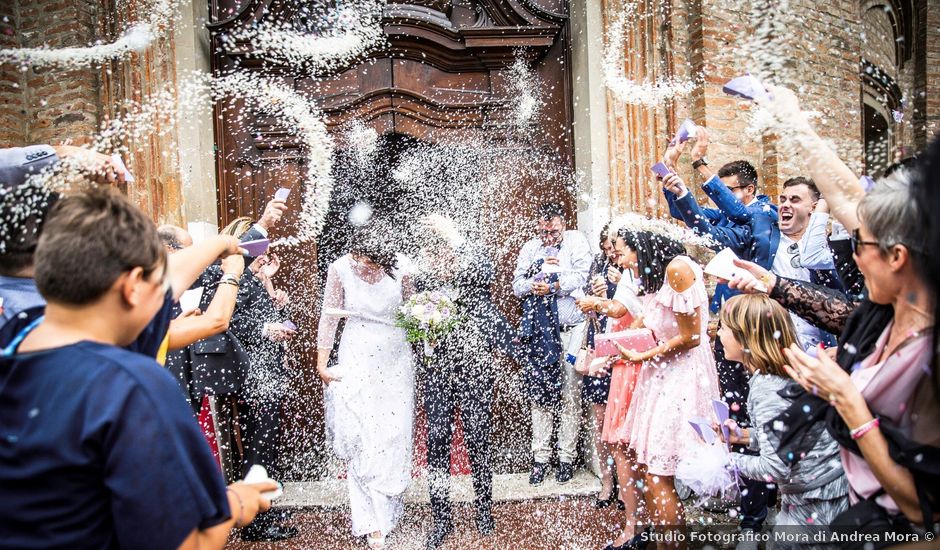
100 449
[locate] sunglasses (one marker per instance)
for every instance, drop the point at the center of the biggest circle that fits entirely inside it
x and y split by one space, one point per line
856 241
552 232
795 260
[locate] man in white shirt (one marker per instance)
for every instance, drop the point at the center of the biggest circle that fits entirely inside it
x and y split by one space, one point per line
797 201
551 271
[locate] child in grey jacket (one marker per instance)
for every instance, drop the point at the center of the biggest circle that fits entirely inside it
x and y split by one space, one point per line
754 330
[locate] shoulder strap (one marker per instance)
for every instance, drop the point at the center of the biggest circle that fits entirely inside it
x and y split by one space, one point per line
10 349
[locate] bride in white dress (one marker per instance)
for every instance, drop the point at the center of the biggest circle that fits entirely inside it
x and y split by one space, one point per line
369 394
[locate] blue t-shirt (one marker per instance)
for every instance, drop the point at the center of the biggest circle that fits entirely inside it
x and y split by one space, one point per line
98 449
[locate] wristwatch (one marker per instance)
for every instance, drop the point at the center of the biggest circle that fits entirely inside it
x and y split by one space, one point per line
699 163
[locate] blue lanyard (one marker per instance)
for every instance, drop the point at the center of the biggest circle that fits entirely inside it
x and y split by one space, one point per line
11 348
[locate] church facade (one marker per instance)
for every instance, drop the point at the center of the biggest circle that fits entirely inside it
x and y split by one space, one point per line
871 68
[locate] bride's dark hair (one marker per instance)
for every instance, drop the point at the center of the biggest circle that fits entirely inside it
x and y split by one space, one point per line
366 241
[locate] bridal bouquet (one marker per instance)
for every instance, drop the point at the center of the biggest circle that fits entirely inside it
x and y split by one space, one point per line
427 317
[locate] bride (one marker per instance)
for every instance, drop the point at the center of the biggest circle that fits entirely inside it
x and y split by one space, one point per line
369 394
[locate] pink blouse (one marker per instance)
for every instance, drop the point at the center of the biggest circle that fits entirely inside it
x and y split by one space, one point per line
890 388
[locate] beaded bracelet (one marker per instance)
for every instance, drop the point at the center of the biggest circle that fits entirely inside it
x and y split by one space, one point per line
241 508
857 433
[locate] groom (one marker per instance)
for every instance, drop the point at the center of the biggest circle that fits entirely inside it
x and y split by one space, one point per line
459 374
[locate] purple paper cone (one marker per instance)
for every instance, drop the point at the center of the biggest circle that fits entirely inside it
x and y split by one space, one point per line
660 169
686 131
255 248
282 193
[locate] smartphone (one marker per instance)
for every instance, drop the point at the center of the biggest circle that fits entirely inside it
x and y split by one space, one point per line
660 169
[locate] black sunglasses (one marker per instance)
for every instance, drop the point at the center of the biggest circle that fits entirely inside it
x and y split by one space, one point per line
856 241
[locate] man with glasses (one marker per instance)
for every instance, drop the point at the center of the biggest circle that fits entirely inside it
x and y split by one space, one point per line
758 231
550 273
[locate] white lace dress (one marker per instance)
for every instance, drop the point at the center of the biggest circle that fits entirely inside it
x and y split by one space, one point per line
370 411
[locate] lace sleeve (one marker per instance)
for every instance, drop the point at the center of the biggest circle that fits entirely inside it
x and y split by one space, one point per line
823 307
333 297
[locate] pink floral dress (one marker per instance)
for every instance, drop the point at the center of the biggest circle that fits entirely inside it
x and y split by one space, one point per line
669 393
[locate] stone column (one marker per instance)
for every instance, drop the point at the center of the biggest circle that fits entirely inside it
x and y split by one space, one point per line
194 134
590 143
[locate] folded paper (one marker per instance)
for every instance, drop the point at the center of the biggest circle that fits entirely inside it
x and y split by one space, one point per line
258 474
290 325
703 427
122 168
255 248
638 340
745 86
190 299
686 131
660 169
722 266
282 193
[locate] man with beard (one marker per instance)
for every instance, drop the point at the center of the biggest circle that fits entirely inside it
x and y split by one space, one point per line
759 231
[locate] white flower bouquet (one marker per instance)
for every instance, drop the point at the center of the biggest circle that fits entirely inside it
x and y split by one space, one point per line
427 317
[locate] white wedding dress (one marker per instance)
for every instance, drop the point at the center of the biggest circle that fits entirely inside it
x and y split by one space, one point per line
370 411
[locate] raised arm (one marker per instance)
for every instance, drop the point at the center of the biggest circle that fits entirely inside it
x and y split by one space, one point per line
837 183
823 307
521 278
816 253
188 264
577 275
736 238
187 330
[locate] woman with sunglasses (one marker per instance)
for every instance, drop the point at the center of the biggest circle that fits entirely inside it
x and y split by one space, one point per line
876 397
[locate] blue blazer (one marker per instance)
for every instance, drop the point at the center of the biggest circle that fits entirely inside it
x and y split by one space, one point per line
751 231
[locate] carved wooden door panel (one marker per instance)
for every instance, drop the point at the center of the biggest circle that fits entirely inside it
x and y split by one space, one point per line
443 78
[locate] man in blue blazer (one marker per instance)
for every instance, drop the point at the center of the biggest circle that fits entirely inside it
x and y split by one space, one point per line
748 223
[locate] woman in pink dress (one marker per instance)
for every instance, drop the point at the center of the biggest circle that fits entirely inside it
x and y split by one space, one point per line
640 253
678 381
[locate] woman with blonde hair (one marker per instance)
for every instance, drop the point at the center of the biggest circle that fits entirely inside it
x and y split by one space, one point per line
755 329
237 227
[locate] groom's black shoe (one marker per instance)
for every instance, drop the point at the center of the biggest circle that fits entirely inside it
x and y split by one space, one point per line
485 522
438 533
539 471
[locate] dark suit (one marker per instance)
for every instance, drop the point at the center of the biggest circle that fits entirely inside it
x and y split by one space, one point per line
460 374
261 397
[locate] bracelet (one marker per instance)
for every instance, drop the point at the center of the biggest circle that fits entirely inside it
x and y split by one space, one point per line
241 507
228 279
859 432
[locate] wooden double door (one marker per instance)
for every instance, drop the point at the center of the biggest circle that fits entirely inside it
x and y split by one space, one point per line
441 91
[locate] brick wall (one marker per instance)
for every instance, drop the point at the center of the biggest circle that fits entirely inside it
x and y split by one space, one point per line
55 105
12 82
931 12
824 43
